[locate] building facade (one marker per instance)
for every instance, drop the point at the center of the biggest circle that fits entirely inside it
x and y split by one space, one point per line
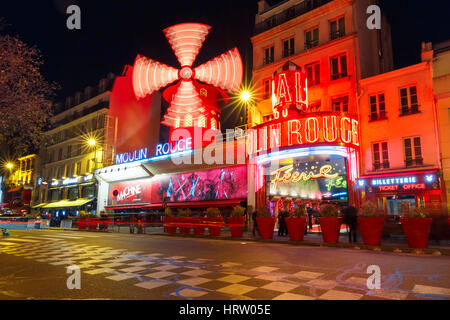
400 149
81 140
441 83
330 43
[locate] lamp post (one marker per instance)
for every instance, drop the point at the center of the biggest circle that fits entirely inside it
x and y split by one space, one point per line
93 143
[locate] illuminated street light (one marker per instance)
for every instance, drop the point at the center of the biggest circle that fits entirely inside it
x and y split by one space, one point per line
91 142
9 165
245 96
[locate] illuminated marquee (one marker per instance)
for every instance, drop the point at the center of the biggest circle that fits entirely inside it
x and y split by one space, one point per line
131 156
174 146
296 176
305 129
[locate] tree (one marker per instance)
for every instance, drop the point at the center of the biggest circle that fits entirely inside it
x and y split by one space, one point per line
25 98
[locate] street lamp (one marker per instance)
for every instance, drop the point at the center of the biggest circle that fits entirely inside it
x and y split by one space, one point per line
92 142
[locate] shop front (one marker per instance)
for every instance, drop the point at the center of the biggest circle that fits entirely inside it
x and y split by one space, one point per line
418 188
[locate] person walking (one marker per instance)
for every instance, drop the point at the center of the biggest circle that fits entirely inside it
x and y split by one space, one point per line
349 214
255 224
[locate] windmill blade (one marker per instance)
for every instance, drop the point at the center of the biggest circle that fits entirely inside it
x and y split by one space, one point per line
184 107
186 40
150 76
224 71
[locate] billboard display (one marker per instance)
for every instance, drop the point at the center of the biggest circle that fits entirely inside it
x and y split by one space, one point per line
229 183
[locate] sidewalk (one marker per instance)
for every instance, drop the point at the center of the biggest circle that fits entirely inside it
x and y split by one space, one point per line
397 244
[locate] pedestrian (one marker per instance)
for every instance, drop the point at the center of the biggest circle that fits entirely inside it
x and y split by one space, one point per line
255 224
310 212
282 230
132 223
349 214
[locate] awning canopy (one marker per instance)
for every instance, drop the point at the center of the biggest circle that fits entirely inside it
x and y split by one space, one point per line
39 205
201 204
68 203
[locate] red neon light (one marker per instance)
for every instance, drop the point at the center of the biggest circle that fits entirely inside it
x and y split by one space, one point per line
305 129
290 87
189 106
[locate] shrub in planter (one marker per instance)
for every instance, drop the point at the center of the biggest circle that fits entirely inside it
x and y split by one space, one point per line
214 221
169 221
237 221
371 222
185 221
416 225
330 223
266 223
296 223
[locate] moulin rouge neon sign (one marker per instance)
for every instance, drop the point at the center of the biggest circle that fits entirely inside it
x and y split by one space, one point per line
296 176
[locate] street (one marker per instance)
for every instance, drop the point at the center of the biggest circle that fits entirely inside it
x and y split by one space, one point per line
121 266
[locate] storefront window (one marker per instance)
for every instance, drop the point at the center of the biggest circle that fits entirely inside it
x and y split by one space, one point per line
73 193
321 177
88 192
55 194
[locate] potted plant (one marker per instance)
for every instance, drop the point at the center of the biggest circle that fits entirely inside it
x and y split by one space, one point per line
296 223
184 219
265 222
371 223
416 225
169 221
330 223
81 221
237 221
214 220
199 225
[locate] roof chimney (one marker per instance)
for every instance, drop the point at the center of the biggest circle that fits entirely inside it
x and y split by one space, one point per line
427 51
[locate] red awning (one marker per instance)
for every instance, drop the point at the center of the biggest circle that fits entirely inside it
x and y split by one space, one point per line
199 204
136 206
15 189
154 206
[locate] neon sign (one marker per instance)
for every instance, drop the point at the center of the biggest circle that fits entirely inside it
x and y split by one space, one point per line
135 155
326 127
391 181
296 176
174 146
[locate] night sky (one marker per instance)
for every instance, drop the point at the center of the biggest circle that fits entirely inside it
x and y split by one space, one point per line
114 32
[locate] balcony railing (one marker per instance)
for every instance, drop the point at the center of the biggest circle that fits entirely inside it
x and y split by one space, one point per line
380 165
311 44
378 116
268 60
337 34
339 75
414 162
406 110
288 14
288 52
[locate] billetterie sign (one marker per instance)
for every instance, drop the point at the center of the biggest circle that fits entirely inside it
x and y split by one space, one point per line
162 149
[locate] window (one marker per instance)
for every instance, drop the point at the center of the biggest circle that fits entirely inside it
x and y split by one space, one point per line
338 66
314 106
408 100
337 28
313 73
188 120
380 155
312 38
54 194
88 166
79 149
69 151
377 107
413 151
60 154
77 169
267 89
269 55
88 192
72 194
340 104
288 48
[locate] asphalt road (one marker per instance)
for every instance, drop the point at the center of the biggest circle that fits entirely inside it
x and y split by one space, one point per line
33 265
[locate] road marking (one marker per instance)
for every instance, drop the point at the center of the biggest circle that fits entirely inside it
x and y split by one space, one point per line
22 240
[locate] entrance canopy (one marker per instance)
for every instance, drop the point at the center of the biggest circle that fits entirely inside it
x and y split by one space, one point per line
67 203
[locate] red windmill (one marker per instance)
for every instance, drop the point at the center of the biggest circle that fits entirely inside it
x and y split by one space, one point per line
194 99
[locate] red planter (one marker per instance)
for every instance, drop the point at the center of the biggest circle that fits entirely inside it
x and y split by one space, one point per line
214 226
330 229
296 228
170 225
265 227
92 224
417 231
199 226
81 222
371 229
185 225
236 226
